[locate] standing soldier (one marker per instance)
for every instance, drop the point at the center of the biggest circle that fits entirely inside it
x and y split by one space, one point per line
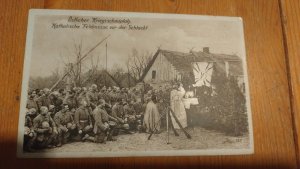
83 120
65 125
45 128
44 99
31 101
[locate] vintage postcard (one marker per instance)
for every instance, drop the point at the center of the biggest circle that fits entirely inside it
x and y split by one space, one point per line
120 84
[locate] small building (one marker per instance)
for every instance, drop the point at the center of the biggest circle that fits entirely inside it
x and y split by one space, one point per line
191 68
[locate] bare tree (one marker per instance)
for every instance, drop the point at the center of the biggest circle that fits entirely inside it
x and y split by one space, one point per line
138 62
91 73
73 70
75 74
79 61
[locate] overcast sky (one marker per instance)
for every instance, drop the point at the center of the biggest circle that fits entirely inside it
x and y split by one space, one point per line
51 47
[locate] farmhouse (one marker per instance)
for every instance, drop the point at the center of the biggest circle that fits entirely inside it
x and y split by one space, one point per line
191 68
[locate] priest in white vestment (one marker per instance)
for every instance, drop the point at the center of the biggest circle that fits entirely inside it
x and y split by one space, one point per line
177 106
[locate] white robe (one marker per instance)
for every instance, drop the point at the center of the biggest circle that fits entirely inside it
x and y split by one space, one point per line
178 108
151 118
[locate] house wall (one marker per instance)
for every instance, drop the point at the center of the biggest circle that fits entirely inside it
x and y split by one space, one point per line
165 71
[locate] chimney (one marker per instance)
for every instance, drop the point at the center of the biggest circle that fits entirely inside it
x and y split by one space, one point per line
206 49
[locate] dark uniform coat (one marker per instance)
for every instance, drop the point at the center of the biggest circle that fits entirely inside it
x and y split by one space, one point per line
71 102
38 120
82 118
31 103
44 101
62 119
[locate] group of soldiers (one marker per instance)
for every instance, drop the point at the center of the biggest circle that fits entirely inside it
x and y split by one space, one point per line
54 118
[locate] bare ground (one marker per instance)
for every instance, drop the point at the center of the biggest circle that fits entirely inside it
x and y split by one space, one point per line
201 139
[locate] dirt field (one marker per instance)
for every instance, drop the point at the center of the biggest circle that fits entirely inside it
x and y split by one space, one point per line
201 139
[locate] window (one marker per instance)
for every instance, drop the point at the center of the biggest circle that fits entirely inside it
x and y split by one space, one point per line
153 74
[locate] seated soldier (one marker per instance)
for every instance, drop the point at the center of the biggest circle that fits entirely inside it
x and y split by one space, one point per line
104 123
131 116
29 134
83 120
45 128
65 124
118 113
139 110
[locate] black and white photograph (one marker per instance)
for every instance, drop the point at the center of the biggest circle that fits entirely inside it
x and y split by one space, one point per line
121 84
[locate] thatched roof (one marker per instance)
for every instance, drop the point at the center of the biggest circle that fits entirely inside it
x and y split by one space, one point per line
182 61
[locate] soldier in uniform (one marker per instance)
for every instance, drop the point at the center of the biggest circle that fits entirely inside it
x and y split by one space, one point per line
123 94
29 134
113 96
130 115
56 101
45 128
44 99
118 113
31 101
104 123
65 124
83 120
139 110
82 94
52 111
103 94
77 91
92 96
71 101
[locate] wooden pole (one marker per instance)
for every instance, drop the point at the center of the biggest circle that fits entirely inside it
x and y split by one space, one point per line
167 126
84 56
128 75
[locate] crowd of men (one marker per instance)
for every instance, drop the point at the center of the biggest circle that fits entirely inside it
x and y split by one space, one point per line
94 114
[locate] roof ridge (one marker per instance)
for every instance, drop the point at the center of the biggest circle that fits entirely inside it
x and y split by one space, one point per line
172 51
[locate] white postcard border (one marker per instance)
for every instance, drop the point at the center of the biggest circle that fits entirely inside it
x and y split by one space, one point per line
199 152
